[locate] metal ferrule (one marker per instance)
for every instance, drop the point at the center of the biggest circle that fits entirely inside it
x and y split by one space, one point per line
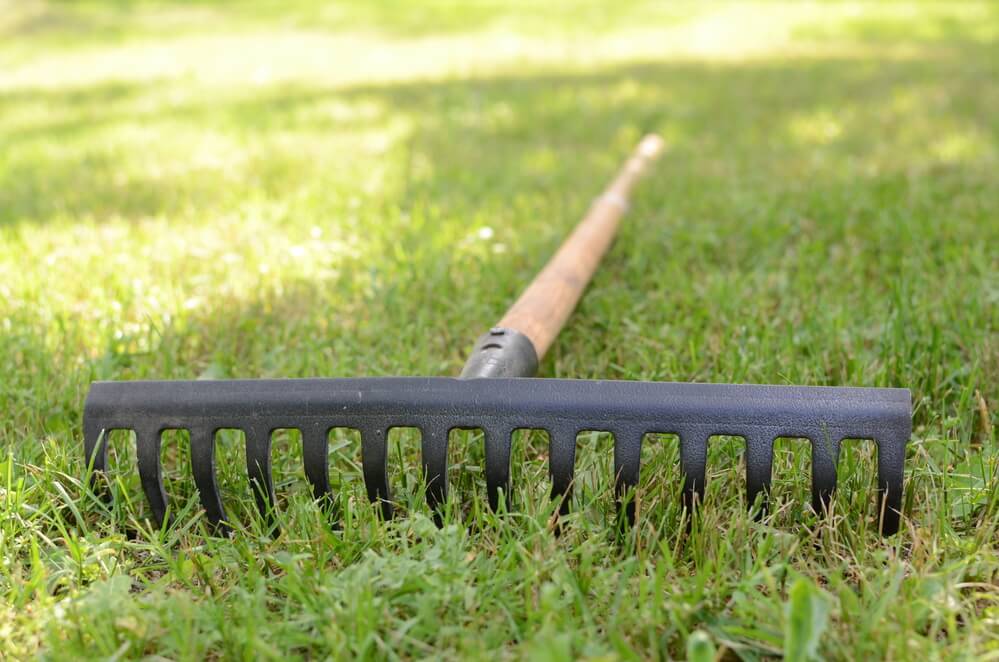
501 352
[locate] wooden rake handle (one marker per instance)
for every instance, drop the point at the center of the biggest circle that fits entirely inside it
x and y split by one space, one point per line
528 329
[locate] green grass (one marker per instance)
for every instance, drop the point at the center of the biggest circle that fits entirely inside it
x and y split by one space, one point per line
242 190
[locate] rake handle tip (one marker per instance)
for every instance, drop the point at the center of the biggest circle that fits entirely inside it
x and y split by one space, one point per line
651 146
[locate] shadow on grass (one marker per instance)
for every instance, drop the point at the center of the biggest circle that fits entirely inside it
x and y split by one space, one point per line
392 18
106 151
397 18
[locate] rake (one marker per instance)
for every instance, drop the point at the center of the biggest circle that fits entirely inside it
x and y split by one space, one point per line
494 395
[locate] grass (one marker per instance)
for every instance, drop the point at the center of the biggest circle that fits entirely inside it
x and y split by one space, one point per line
238 190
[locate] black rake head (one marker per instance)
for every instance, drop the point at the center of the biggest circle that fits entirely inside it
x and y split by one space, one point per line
435 405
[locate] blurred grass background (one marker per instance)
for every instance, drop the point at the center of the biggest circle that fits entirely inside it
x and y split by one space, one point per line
212 189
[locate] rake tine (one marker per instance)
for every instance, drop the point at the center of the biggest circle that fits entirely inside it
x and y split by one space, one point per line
258 467
562 465
315 458
759 469
433 449
147 442
891 460
627 467
825 457
203 467
374 465
693 464
498 444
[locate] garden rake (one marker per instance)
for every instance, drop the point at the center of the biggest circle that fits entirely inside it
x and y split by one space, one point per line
493 395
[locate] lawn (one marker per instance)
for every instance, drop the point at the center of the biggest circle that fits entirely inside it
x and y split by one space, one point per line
216 190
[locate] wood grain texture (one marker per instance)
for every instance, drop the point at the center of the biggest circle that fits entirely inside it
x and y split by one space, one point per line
544 307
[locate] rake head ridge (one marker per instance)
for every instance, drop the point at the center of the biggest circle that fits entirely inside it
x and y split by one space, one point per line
436 405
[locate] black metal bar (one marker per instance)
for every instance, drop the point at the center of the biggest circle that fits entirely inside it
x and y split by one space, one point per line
627 467
315 457
693 464
147 448
759 468
498 448
433 449
258 468
562 464
825 457
891 441
203 468
374 463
